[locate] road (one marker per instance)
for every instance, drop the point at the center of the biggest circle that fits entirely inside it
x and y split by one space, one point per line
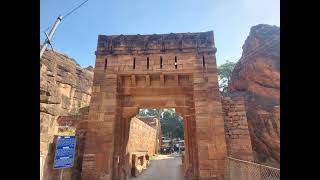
164 167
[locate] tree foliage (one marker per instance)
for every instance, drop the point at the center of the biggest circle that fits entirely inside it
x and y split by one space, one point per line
171 122
224 73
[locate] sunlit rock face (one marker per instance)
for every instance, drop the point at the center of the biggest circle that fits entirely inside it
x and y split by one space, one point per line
257 77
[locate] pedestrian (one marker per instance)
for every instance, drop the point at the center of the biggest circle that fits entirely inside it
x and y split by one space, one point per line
147 159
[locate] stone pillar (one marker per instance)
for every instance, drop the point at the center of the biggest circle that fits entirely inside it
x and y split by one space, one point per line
209 121
188 115
122 141
97 158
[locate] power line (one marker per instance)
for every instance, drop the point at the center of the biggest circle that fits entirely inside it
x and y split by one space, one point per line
52 31
266 45
69 13
268 42
42 29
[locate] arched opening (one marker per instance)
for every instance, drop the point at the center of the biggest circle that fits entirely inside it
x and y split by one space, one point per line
155 136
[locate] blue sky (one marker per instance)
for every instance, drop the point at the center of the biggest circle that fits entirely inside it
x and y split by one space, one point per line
229 19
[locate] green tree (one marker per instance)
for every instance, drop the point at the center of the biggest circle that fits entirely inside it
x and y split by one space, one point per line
224 73
171 122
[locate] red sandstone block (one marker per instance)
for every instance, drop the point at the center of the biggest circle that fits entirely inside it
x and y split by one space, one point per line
206 164
219 130
109 117
205 173
220 144
201 104
198 80
92 116
110 109
202 123
201 110
100 162
203 154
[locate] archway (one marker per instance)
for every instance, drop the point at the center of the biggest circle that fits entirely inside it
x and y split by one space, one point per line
145 138
145 97
155 71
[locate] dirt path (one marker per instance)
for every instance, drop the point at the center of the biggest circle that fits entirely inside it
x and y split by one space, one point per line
164 167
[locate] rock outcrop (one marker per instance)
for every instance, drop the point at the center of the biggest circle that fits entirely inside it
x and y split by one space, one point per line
257 77
65 87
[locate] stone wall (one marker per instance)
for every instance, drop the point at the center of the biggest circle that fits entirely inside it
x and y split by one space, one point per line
142 137
65 87
155 123
142 140
77 122
236 129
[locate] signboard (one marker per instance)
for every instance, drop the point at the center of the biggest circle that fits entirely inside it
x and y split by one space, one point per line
65 150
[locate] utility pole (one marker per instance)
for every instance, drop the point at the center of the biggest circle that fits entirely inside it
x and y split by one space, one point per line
49 37
53 30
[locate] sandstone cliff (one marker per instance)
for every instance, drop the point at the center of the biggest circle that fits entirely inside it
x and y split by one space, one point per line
257 77
65 87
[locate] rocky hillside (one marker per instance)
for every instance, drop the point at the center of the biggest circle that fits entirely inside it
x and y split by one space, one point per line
257 77
65 87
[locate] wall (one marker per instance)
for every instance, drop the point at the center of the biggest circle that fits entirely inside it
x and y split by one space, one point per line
236 128
79 123
155 123
142 137
142 140
65 87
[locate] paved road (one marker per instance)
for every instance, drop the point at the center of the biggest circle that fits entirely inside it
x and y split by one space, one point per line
164 167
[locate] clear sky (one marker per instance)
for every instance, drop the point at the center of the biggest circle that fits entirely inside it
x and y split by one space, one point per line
229 19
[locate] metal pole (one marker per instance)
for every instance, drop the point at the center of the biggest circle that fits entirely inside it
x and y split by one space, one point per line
48 39
41 166
61 174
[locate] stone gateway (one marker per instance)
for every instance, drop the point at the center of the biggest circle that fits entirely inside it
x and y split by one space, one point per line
155 71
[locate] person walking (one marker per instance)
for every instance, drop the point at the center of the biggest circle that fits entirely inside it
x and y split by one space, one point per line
147 159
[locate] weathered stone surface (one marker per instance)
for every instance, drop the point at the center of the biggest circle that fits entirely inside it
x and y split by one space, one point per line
64 88
236 128
142 137
257 78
